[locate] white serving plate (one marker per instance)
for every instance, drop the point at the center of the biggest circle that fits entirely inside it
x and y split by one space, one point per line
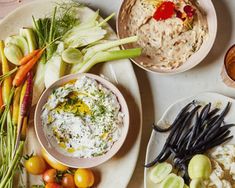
157 140
115 173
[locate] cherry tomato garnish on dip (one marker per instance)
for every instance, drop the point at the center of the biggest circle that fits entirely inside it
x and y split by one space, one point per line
53 185
189 10
164 11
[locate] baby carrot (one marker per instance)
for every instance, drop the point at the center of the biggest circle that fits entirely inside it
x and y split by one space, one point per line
28 57
24 69
27 100
31 55
16 106
22 94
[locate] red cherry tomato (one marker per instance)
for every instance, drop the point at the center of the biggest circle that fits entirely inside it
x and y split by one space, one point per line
164 11
53 185
49 176
68 181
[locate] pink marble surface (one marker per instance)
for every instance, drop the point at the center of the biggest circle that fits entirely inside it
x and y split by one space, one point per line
7 6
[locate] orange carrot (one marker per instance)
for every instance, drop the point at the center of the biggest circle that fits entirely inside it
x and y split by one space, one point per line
24 69
28 57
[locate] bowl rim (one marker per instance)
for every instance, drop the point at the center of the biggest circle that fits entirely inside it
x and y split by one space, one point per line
76 162
177 70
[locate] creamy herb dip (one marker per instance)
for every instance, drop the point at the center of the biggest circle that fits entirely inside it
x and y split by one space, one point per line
82 118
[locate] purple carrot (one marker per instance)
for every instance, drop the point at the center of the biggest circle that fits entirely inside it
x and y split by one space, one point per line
25 107
27 100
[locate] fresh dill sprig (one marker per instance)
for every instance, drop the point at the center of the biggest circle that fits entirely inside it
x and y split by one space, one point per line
63 18
67 17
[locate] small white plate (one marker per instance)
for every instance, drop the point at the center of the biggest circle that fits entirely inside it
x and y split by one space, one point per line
157 140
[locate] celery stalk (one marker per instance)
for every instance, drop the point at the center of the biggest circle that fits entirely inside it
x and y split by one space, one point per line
90 52
109 56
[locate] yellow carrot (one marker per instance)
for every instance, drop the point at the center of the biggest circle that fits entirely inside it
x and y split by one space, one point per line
16 105
6 86
24 69
28 57
23 90
24 129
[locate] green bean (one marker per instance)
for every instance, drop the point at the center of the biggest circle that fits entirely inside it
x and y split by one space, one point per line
13 165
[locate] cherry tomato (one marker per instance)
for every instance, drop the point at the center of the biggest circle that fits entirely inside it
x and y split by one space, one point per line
68 181
53 185
164 11
84 178
35 165
49 176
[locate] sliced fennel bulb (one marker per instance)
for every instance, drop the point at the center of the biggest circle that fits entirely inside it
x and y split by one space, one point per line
55 67
39 85
91 22
86 32
84 37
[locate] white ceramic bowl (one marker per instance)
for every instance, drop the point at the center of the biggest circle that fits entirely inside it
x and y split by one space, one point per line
76 162
195 59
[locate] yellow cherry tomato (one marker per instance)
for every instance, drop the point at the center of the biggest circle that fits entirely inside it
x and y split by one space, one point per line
35 165
84 178
52 162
